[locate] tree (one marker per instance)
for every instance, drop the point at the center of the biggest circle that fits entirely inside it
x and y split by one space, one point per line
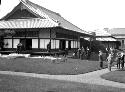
96 46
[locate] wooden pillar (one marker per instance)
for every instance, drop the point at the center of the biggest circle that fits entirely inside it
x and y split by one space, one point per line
78 44
50 37
90 44
12 42
38 39
25 38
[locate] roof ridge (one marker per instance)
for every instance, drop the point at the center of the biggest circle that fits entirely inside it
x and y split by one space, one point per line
43 8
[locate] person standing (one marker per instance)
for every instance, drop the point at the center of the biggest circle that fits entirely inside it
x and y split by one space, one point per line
122 60
79 53
49 46
19 47
88 53
107 52
118 58
82 53
101 59
109 59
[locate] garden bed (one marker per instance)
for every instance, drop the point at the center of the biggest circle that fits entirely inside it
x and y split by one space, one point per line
46 66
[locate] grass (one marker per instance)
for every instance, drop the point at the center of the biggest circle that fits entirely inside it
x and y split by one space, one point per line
117 76
71 66
9 83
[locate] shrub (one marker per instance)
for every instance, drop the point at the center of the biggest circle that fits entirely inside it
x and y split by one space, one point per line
96 46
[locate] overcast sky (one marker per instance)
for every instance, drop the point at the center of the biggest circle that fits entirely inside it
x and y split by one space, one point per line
86 14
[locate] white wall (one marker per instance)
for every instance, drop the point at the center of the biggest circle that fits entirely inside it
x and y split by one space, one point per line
44 33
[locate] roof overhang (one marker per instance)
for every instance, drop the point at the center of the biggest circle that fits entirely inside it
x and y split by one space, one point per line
108 38
27 23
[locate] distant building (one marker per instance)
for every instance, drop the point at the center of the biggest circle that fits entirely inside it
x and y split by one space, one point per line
106 38
35 27
119 34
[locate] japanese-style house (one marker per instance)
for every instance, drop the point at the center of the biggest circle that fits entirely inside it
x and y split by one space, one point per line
107 39
119 34
35 26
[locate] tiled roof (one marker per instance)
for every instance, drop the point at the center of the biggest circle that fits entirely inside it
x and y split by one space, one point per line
26 23
101 32
51 17
117 31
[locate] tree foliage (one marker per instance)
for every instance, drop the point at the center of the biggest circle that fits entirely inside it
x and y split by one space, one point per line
96 46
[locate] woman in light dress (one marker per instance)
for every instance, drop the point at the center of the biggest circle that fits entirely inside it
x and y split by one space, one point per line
110 60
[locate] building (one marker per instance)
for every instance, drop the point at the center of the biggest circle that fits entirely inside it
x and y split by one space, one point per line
106 38
35 27
119 34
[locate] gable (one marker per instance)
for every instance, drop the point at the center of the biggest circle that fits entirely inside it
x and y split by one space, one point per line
21 14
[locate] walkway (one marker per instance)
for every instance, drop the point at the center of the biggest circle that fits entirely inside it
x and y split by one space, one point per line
90 78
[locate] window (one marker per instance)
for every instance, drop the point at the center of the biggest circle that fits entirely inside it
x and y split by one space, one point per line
42 43
8 43
72 44
15 42
67 44
34 43
46 42
57 44
53 44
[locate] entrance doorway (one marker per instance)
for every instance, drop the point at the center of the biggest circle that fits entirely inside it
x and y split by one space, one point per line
62 45
26 44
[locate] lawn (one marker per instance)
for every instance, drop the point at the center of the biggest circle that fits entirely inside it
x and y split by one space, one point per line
118 76
9 83
38 65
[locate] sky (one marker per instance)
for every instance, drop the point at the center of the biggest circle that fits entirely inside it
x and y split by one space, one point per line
86 14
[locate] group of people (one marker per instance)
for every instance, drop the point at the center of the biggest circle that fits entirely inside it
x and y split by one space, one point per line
81 53
120 60
112 56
